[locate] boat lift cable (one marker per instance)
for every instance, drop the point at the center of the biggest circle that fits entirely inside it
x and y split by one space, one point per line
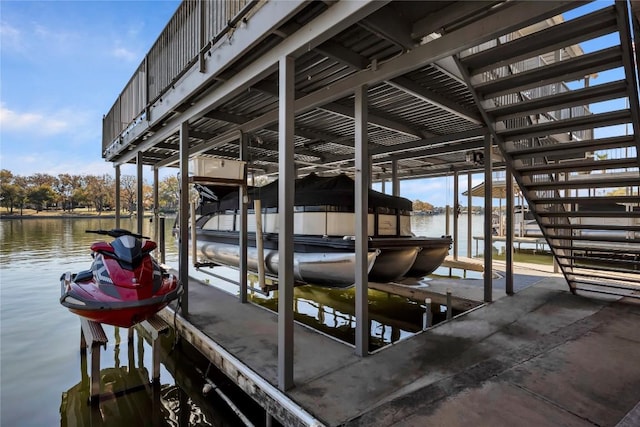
210 385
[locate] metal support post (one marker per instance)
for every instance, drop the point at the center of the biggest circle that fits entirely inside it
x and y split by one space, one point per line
456 213
509 238
140 196
427 317
469 214
156 202
243 223
395 183
488 210
286 185
118 207
363 167
161 239
183 250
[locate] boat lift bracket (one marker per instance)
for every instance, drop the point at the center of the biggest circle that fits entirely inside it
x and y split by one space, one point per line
91 333
92 337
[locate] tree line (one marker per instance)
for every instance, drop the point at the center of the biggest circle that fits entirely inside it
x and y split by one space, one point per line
67 192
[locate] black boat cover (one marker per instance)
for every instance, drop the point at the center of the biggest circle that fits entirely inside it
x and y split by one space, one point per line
312 190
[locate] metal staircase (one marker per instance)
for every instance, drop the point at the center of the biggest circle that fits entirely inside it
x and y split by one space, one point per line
577 169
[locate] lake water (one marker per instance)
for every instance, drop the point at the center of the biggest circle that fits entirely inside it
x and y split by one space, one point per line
40 362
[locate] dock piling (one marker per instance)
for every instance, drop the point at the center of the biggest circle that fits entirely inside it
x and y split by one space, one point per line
427 316
161 239
92 337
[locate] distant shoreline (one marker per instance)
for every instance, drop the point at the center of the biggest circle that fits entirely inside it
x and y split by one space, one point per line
60 216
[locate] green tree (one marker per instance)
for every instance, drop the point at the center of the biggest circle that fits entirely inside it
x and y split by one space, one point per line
128 192
419 205
40 196
66 187
100 190
8 190
169 193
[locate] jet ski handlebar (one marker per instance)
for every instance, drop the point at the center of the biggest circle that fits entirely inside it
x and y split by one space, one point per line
117 232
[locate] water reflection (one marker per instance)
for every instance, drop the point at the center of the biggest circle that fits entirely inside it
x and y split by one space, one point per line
127 395
332 311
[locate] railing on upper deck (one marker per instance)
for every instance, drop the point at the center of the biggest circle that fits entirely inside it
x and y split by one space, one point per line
194 28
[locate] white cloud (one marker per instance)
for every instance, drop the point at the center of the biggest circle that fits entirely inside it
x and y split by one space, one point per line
126 54
11 36
32 122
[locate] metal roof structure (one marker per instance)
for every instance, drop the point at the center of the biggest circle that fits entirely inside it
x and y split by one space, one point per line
451 86
410 89
422 115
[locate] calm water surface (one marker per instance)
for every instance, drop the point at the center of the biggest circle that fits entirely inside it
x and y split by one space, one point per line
40 363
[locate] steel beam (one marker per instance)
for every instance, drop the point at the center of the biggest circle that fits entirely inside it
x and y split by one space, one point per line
337 18
118 207
362 174
509 231
406 85
244 225
286 186
156 203
488 209
139 192
183 252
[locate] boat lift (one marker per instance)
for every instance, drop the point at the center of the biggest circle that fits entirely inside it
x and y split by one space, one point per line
92 337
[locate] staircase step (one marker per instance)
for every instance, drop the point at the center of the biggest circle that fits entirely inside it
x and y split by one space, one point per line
579 97
606 284
594 182
591 121
576 270
630 265
604 227
573 147
565 34
582 165
588 214
592 274
569 200
621 252
607 239
628 294
567 70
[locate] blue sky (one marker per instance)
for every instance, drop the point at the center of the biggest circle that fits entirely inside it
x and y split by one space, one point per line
62 65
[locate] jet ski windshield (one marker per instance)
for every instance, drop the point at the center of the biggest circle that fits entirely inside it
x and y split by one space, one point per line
127 249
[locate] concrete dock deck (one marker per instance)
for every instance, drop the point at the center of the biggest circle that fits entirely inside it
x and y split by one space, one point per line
541 357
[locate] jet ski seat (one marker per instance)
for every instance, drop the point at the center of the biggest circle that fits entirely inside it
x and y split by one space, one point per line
84 276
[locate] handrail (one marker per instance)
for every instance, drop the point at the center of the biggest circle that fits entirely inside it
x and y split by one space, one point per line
193 29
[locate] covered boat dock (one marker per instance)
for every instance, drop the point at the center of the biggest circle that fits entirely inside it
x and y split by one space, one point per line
541 357
389 91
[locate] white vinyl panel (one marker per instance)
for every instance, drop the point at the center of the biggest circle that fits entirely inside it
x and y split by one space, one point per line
386 225
212 223
405 226
226 222
340 224
270 222
313 223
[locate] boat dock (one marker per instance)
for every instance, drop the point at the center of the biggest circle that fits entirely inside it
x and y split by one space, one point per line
294 88
538 242
521 359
